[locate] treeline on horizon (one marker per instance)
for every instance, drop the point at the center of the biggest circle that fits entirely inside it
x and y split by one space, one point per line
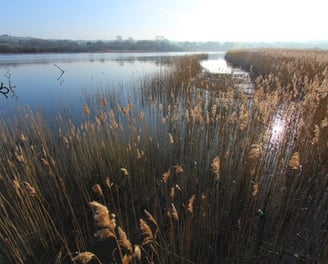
13 44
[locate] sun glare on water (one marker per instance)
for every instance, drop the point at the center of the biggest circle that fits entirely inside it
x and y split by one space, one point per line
277 128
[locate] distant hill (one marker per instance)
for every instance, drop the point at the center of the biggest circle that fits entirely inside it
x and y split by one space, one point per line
14 44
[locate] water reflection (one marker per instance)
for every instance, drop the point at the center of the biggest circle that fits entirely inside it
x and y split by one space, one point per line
60 77
54 83
216 63
277 129
5 90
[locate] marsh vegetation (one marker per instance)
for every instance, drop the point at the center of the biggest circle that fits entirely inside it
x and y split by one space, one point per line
176 173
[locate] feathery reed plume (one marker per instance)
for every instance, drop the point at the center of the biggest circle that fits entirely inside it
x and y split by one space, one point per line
137 252
172 193
146 231
113 220
255 189
166 176
177 186
16 185
215 165
243 120
31 191
104 234
124 171
127 259
294 162
84 257
316 132
164 120
101 215
197 113
170 138
20 157
124 241
97 189
22 137
109 184
203 205
86 110
233 118
255 152
138 154
178 169
151 218
65 140
324 122
103 102
191 202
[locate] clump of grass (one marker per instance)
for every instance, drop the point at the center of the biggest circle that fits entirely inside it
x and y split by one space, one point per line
174 173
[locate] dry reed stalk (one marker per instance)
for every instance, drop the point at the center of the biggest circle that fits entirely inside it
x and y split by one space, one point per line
124 241
174 212
191 202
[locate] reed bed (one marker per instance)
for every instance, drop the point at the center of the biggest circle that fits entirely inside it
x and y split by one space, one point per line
173 173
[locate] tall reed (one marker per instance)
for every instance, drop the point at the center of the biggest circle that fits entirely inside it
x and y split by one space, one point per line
174 173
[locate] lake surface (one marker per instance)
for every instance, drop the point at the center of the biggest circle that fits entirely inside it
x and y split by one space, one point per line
57 83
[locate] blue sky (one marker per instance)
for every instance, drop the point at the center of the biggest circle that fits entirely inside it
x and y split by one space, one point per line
192 20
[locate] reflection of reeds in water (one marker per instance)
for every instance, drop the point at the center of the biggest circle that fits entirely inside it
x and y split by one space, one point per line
174 174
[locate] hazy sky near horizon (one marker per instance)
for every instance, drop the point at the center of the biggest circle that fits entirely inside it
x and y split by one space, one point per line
181 20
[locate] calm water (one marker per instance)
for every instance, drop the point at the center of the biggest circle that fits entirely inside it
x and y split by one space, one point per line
40 83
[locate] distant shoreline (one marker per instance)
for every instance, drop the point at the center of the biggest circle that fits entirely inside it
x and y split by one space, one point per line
24 45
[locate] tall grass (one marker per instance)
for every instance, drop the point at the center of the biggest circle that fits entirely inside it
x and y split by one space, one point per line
172 173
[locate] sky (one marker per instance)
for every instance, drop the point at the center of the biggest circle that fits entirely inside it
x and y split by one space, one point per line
176 20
